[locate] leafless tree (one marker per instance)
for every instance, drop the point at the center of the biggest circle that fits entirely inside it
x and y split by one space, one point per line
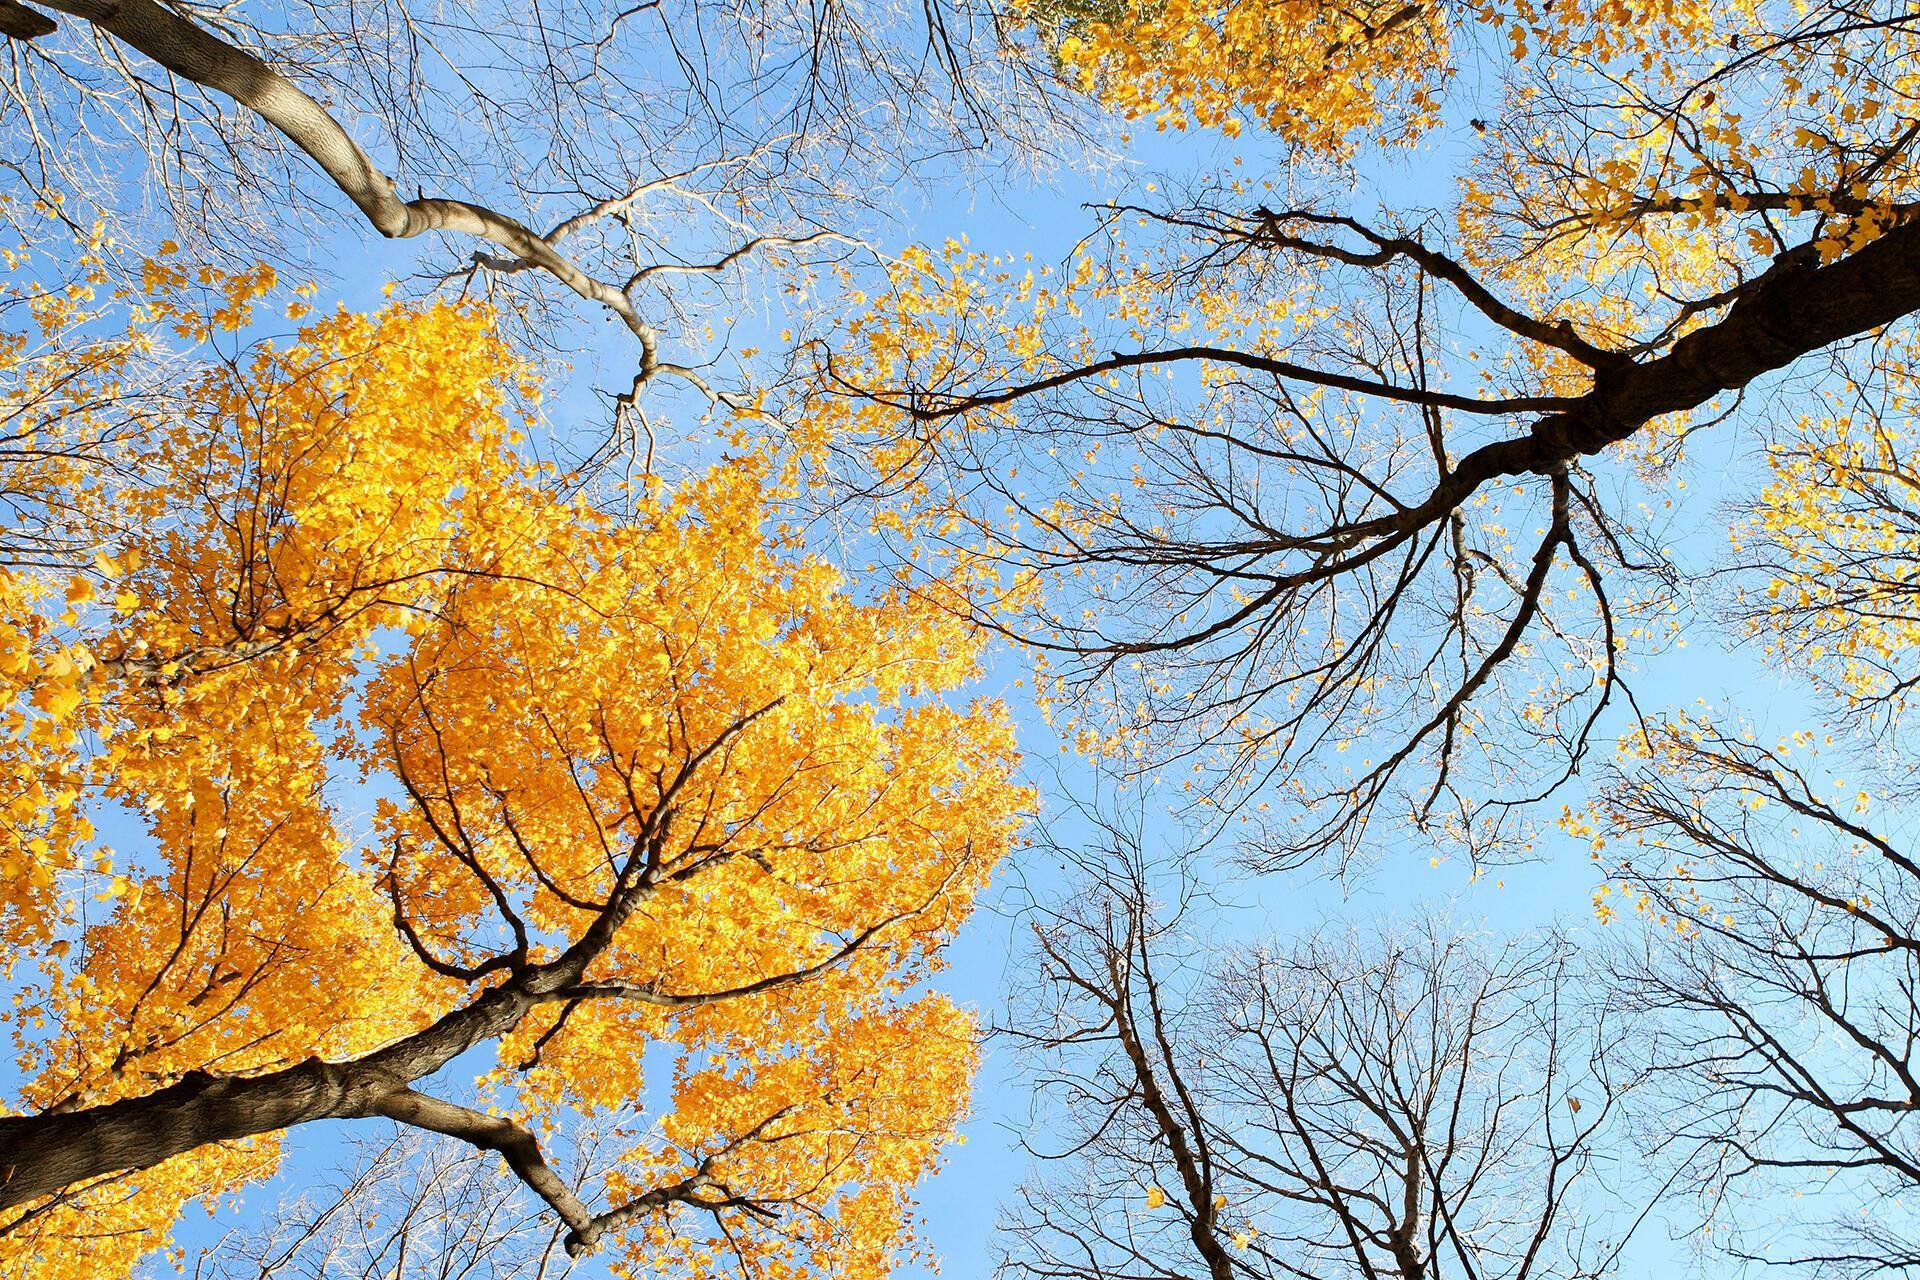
1416 1103
627 154
405 1206
1320 504
1780 995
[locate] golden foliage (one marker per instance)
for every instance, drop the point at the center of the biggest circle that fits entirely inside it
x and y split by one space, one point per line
1832 543
1317 74
342 693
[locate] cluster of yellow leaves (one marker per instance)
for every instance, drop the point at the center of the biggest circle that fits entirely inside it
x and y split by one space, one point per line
1652 875
1315 73
1700 824
318 578
1715 137
1659 149
1831 540
861 1111
56 362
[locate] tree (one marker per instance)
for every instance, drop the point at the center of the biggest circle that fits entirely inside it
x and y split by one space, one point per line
1416 1103
408 1204
361 760
1781 1011
1777 992
1356 509
1349 511
637 157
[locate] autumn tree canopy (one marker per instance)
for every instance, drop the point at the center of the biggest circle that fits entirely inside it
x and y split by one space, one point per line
359 753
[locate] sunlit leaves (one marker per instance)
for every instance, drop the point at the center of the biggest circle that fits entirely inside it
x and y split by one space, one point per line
372 706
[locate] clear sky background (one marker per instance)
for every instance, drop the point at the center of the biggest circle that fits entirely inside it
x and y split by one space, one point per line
962 1202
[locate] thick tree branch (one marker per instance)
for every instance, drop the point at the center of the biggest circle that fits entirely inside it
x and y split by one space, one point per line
515 1143
194 54
21 23
932 408
1802 308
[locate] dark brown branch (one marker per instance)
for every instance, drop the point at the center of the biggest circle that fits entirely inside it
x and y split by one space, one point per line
17 22
930 409
1560 336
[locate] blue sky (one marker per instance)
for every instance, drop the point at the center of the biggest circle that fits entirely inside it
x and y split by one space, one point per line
961 1203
